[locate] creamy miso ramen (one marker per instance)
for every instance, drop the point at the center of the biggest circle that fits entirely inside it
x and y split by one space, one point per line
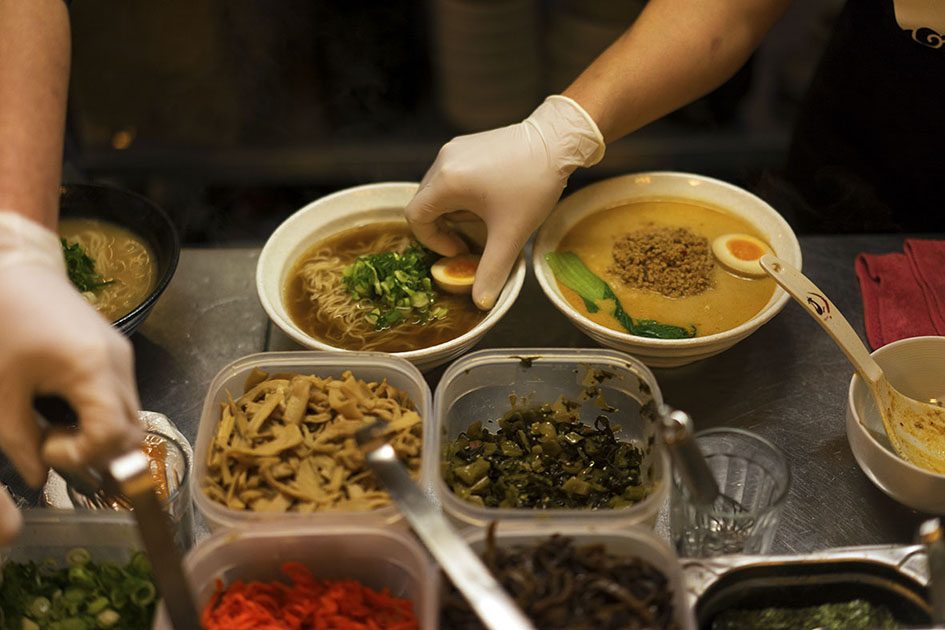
319 303
123 260
656 256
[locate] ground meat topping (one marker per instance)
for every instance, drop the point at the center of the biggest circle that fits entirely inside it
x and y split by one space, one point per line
671 261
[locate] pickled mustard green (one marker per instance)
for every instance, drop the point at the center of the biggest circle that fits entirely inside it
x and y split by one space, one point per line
545 457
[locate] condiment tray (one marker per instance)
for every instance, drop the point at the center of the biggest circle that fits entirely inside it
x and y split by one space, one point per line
894 576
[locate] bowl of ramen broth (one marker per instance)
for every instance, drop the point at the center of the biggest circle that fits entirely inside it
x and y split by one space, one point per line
299 280
649 210
134 245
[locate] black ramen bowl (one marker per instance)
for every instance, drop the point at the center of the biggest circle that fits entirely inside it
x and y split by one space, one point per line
137 214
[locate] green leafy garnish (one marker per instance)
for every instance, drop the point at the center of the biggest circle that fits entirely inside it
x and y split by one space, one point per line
852 615
545 457
81 268
572 273
80 594
399 286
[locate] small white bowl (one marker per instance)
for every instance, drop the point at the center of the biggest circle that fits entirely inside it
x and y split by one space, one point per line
341 211
916 367
664 185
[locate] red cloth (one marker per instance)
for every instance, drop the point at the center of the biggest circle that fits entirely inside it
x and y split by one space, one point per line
927 259
903 294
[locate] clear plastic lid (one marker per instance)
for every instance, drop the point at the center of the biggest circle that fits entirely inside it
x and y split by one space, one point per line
482 385
367 366
376 556
51 533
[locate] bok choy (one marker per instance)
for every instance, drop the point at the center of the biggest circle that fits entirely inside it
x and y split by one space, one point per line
574 274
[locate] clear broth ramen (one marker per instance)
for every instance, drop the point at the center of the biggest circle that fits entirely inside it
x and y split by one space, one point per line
319 304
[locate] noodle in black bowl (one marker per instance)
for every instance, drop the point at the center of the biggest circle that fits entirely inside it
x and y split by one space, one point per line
133 243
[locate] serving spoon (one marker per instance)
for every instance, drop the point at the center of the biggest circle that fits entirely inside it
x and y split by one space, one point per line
491 603
914 428
677 431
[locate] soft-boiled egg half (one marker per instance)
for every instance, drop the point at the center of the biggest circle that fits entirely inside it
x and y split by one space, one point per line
740 253
456 273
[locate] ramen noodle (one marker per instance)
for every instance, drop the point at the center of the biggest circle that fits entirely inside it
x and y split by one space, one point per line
320 304
122 259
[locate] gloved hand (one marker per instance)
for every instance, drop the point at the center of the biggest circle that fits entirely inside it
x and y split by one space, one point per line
52 342
510 178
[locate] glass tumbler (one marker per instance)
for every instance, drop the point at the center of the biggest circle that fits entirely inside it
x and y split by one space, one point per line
170 471
753 476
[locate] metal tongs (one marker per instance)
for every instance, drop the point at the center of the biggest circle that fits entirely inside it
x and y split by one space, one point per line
488 599
932 535
128 478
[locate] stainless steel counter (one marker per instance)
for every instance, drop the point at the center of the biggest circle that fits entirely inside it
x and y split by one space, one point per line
788 381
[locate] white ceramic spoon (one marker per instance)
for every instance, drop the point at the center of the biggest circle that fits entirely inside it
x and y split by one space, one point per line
915 429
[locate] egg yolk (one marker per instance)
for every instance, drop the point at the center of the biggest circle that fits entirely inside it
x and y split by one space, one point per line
744 250
462 268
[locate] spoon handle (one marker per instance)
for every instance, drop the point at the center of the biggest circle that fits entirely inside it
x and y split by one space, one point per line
816 303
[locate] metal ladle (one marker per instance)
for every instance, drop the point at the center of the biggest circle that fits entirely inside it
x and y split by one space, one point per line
676 429
491 603
932 535
914 428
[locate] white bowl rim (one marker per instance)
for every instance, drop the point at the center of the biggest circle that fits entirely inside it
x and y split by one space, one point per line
736 333
503 303
884 451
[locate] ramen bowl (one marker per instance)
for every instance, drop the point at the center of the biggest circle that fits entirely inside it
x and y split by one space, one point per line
916 367
339 212
660 186
140 216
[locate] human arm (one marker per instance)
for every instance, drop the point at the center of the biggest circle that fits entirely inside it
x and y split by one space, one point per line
676 51
51 341
34 78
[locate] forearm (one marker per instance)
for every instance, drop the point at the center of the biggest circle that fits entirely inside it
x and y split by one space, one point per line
675 52
34 78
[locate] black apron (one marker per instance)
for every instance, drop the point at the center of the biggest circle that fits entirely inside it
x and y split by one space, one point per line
868 152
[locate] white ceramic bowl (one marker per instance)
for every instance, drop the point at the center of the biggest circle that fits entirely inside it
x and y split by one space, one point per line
341 211
916 367
666 185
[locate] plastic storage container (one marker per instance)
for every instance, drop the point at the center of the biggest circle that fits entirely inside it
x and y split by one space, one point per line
634 541
378 557
367 366
51 533
480 385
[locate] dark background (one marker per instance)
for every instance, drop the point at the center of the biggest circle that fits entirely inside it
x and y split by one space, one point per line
231 114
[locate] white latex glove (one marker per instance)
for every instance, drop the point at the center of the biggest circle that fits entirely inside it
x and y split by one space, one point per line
510 178
52 342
